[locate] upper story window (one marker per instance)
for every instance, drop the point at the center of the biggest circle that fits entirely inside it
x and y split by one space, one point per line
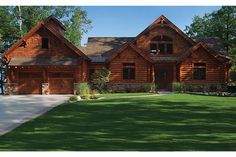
161 44
199 72
45 43
129 71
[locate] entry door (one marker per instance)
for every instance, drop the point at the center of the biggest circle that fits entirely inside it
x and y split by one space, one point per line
162 80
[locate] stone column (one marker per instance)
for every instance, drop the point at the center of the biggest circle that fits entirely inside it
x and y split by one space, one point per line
76 88
45 88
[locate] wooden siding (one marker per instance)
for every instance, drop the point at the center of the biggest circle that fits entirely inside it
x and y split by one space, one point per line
97 66
214 69
180 45
129 56
34 44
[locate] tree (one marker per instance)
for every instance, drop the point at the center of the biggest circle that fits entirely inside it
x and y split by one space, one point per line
77 26
3 68
220 23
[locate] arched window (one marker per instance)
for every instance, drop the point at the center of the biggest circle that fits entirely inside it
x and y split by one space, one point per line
161 44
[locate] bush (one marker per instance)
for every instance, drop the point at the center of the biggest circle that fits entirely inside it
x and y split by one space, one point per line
84 89
100 79
85 96
73 99
89 96
177 87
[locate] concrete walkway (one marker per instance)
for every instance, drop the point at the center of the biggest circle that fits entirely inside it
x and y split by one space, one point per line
17 109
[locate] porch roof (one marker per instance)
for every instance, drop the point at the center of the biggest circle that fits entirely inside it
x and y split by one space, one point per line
20 61
165 58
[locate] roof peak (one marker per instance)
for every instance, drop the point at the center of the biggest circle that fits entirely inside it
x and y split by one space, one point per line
51 17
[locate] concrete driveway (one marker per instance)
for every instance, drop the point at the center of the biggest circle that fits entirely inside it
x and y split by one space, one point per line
17 109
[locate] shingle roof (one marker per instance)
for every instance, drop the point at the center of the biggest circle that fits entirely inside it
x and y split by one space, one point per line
98 49
97 59
43 61
214 43
104 46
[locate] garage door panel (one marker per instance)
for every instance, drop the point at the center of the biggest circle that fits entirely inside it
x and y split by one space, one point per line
61 86
30 83
61 82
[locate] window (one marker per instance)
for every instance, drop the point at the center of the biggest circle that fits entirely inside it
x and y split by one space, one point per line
156 38
30 75
162 44
199 72
153 48
166 38
169 48
61 75
128 71
45 42
161 48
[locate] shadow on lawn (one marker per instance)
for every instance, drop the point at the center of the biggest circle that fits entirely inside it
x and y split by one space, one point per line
149 124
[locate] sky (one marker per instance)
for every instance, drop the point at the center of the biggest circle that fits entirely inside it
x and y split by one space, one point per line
115 21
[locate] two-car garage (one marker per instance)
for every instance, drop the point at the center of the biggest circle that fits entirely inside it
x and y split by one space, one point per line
59 82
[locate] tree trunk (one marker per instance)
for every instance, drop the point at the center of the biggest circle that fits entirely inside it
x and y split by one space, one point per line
1 83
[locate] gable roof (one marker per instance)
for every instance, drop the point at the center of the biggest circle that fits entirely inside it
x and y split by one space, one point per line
217 56
214 43
39 25
121 49
56 21
163 21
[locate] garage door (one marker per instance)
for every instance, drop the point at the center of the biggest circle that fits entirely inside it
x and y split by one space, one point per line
30 83
61 82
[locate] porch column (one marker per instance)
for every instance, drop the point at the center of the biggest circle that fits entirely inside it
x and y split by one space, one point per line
153 73
174 73
45 83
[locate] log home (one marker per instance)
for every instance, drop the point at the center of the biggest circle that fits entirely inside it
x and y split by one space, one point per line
45 62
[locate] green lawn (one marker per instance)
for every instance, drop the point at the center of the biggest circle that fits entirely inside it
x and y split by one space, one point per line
117 122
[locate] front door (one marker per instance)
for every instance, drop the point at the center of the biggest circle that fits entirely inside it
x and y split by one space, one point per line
162 78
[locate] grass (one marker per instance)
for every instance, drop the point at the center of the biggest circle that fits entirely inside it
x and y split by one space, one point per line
119 122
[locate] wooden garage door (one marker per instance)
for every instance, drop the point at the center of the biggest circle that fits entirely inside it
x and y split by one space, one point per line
61 82
30 83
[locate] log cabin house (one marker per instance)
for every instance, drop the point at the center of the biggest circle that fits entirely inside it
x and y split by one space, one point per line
45 62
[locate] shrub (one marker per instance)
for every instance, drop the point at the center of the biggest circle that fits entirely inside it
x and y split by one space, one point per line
73 99
149 87
84 89
87 96
93 96
177 87
100 79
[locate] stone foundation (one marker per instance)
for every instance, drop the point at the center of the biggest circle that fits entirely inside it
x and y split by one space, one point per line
45 88
205 87
130 87
10 89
